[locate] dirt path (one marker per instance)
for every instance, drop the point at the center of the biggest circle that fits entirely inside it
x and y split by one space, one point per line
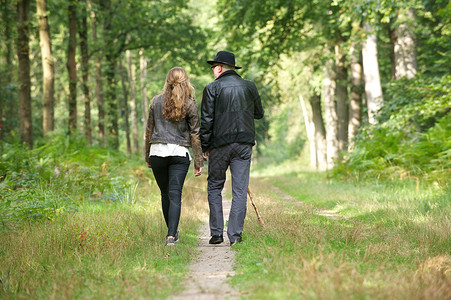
210 273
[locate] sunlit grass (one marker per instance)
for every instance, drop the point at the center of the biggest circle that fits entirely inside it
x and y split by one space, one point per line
395 242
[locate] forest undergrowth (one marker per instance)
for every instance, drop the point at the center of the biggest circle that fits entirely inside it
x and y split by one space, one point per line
85 222
82 222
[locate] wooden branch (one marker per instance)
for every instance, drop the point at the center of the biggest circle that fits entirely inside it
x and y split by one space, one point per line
259 217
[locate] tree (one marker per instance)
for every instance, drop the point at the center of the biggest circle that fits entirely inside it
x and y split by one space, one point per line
23 51
133 104
47 66
341 93
330 112
355 97
404 45
320 132
98 73
8 107
83 33
125 107
72 65
310 128
373 89
143 72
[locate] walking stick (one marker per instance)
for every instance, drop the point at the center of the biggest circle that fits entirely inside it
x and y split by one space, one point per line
259 217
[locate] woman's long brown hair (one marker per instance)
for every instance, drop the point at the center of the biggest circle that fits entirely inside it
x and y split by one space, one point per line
177 90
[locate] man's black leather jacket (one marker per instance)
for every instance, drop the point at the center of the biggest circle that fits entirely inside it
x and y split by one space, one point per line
229 106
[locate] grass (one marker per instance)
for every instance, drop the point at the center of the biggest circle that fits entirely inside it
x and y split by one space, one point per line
86 223
381 241
110 244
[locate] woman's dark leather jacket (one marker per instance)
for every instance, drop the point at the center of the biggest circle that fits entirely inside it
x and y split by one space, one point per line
229 106
183 133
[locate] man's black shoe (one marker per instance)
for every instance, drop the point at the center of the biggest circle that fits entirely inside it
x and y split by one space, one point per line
216 239
238 240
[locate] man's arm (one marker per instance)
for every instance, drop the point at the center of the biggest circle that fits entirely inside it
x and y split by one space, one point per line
207 118
259 112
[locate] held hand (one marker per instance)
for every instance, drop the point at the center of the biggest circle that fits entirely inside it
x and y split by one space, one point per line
197 171
205 155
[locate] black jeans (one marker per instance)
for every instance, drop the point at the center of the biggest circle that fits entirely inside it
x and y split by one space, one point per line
170 173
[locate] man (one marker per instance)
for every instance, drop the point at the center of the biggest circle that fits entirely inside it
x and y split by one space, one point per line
229 106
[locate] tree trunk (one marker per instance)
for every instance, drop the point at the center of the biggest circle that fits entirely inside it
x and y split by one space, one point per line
330 109
404 45
342 97
23 52
111 103
83 32
112 127
125 107
72 67
47 67
133 104
310 128
373 90
8 108
391 35
143 69
355 99
99 85
320 132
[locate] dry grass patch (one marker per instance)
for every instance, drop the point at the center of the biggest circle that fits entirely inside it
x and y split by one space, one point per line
105 250
303 255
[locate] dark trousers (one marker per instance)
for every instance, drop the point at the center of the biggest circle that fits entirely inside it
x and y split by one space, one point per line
170 173
238 157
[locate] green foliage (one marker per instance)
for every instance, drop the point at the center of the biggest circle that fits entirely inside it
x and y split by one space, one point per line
434 37
55 178
412 137
285 134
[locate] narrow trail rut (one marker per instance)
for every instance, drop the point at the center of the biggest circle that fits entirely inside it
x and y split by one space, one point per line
213 268
330 214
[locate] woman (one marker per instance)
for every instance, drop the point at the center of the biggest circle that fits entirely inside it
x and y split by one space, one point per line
172 127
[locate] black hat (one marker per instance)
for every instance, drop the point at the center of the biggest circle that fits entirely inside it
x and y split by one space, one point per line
224 57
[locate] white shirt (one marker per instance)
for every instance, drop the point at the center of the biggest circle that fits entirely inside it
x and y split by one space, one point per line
165 150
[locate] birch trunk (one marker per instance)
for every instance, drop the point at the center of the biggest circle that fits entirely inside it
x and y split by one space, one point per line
48 121
23 53
373 89
72 67
405 46
310 128
355 99
133 104
330 110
